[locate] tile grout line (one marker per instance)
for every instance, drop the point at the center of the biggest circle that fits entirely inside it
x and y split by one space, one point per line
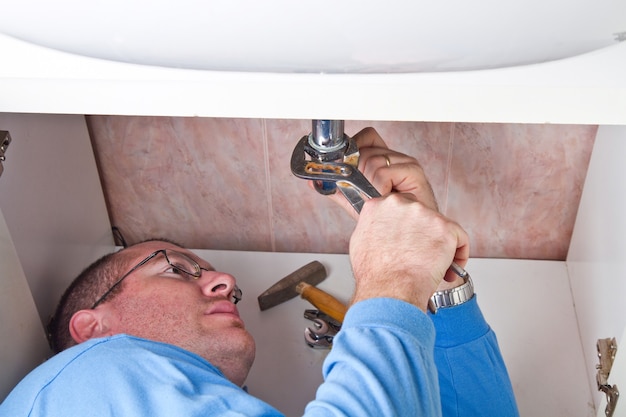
444 209
268 184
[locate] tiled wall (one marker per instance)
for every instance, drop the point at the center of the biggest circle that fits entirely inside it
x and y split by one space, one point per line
226 183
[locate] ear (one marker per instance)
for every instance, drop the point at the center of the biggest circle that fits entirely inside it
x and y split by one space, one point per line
89 324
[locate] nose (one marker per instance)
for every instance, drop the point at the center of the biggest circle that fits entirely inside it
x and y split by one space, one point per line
217 284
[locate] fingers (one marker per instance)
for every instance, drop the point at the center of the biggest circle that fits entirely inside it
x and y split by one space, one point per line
369 137
461 256
391 171
388 171
425 244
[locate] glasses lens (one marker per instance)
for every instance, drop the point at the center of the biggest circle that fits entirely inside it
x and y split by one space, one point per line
183 263
237 295
187 265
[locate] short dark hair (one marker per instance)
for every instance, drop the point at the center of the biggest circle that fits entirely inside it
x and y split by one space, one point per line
92 282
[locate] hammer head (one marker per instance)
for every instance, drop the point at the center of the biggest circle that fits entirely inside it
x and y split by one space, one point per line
312 273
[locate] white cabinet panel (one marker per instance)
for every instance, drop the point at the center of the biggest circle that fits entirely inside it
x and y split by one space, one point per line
52 201
596 262
23 344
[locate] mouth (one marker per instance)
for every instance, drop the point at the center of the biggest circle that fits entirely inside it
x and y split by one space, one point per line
224 307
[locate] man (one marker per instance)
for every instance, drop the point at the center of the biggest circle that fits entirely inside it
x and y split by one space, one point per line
153 330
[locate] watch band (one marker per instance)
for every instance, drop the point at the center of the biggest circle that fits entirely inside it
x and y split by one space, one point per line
453 296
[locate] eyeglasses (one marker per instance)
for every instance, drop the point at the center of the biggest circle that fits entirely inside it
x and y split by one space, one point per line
181 264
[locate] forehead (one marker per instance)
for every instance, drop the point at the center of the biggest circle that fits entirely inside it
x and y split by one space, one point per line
137 253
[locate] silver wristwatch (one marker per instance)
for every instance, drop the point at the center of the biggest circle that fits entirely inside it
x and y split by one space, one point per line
452 297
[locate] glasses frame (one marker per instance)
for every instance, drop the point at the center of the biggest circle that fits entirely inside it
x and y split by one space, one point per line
237 293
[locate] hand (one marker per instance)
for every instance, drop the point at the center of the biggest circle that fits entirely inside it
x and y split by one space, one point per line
402 249
403 174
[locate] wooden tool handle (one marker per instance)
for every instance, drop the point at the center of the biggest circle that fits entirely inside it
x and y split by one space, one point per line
323 301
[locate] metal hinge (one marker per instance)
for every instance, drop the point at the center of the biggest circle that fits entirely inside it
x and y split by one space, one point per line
5 140
607 349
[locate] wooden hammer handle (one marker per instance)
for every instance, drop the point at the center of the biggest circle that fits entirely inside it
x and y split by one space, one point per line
323 301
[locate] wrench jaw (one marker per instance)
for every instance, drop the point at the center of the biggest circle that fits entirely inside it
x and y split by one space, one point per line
330 175
323 331
317 341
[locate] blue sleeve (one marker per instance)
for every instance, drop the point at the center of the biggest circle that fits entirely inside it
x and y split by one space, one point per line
126 376
381 364
473 379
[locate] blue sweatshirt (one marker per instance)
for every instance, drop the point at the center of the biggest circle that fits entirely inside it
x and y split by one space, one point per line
382 364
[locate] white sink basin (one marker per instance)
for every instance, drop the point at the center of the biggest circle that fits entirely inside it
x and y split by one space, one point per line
325 36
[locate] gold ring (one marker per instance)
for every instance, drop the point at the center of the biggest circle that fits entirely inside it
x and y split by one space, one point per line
387 160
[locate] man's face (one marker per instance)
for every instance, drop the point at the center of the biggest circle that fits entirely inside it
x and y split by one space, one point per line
195 314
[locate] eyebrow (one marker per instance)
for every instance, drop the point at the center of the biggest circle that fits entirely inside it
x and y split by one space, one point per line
198 260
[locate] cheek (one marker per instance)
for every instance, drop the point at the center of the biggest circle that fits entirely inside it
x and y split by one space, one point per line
151 310
162 292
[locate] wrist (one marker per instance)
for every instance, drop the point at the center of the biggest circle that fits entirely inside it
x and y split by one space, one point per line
450 297
403 289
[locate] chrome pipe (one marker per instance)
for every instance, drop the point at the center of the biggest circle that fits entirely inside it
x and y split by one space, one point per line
327 135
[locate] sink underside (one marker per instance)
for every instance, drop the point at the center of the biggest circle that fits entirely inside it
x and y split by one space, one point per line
350 36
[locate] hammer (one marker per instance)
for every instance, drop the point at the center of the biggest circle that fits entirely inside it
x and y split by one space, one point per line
303 281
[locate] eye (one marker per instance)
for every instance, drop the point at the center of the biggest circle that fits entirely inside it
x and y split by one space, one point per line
177 271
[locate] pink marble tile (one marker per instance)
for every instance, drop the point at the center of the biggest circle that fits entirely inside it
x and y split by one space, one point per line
516 188
199 181
227 184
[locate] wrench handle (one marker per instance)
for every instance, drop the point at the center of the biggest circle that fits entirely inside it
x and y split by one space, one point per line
323 301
